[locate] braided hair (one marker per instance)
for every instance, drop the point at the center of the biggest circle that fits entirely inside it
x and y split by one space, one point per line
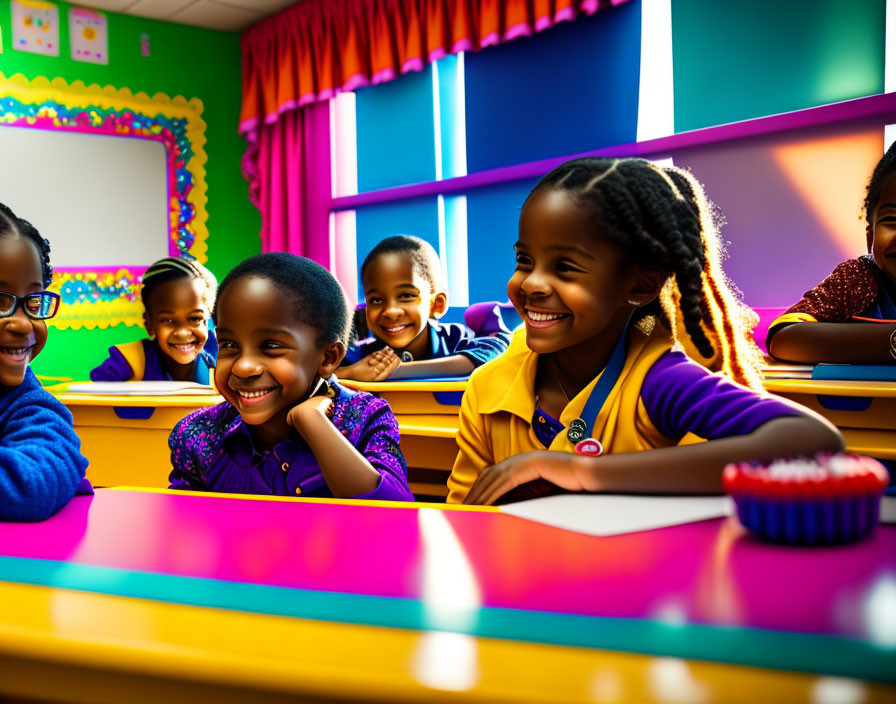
172 268
660 216
10 225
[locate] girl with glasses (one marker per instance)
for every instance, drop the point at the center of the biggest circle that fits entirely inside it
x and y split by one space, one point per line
41 465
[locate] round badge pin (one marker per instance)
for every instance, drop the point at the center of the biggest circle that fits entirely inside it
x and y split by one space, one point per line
576 431
407 356
590 447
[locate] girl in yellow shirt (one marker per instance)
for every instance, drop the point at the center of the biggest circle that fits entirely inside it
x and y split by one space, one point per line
617 276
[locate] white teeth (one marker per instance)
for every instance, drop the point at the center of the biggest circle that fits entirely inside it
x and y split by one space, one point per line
14 350
254 394
541 317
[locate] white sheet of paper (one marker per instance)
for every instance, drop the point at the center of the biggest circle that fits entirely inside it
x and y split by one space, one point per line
888 509
604 514
143 388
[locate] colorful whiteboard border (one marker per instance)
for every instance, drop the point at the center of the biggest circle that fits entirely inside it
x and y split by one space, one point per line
105 296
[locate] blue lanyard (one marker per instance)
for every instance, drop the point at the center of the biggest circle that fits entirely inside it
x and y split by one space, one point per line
582 428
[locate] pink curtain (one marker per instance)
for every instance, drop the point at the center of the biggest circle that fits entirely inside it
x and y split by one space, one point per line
288 169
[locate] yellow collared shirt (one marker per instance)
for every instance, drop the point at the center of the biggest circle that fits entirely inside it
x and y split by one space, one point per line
499 403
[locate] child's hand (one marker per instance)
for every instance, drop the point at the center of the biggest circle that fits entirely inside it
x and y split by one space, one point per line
560 468
301 412
374 367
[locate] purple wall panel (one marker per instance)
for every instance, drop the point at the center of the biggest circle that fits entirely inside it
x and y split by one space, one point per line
784 235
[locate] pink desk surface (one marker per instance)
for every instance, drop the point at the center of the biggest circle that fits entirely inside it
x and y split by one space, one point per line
706 581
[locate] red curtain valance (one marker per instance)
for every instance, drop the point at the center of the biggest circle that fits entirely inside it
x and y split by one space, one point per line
317 48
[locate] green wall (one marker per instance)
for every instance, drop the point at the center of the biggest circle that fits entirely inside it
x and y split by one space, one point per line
187 61
740 60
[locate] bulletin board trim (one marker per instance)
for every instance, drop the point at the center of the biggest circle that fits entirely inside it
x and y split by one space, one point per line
101 297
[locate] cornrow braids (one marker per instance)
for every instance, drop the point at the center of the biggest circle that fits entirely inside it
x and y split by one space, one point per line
19 227
661 217
172 268
885 167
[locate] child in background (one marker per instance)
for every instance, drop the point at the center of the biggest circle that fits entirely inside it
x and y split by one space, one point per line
609 252
825 325
178 295
41 466
287 428
404 298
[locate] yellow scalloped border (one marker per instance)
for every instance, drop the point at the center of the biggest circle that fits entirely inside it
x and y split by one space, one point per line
40 90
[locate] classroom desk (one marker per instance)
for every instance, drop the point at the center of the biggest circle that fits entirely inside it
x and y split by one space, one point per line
145 594
863 411
426 411
125 438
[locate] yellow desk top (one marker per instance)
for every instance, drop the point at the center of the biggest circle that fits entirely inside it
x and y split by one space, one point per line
433 426
110 648
422 385
184 401
874 389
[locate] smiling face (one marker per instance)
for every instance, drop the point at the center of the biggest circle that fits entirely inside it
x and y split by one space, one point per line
400 302
21 338
883 229
268 359
570 286
177 314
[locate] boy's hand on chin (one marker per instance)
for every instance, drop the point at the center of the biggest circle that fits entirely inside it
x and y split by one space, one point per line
299 415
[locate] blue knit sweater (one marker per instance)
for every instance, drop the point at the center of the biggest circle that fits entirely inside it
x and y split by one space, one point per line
41 463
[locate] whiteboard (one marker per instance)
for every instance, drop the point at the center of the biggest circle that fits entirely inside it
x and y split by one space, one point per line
99 200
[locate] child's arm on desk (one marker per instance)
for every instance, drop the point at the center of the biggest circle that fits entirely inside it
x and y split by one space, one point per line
845 343
687 469
376 366
455 365
41 463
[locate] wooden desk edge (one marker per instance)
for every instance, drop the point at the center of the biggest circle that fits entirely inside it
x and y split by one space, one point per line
404 385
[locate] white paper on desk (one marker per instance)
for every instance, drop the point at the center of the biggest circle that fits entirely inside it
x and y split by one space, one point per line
788 371
607 514
888 509
143 388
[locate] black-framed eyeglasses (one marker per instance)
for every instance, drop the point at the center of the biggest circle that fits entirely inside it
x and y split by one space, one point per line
37 306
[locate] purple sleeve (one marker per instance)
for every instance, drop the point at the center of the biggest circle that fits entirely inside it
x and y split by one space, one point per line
194 442
116 368
378 442
682 397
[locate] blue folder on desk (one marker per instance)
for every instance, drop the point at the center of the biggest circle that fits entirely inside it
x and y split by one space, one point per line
855 372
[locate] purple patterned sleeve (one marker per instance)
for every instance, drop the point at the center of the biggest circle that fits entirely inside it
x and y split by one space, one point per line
682 397
195 443
371 427
115 368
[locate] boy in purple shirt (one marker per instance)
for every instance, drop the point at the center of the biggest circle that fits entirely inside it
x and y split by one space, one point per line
287 428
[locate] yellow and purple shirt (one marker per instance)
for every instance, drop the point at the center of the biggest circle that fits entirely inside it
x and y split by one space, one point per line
212 450
662 398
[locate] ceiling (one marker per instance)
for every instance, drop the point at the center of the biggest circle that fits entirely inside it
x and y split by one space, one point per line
228 15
